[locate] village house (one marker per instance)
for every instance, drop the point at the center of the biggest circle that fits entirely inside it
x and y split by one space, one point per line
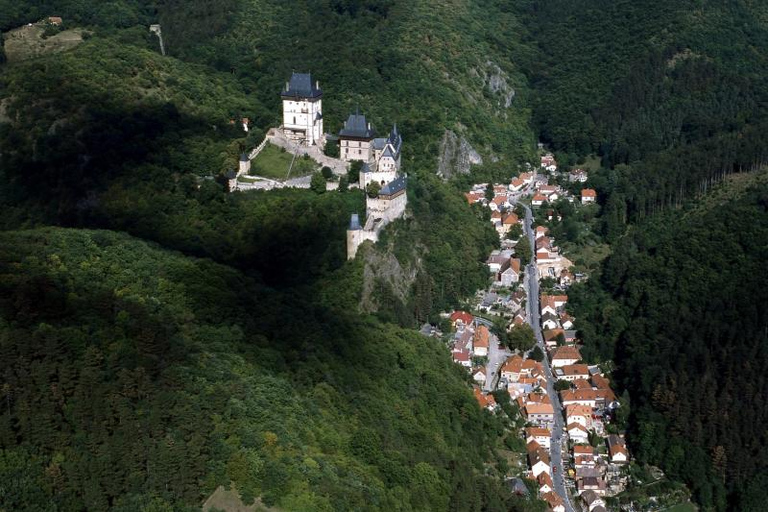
539 434
479 375
516 185
538 200
545 483
539 413
527 177
511 274
582 384
486 402
548 162
590 397
577 413
461 319
591 483
617 450
566 320
578 175
474 197
515 368
462 357
523 386
572 372
538 459
481 341
565 355
591 500
552 337
497 259
577 433
588 195
554 501
550 321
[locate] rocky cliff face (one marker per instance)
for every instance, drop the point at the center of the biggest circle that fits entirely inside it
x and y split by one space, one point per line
385 277
456 156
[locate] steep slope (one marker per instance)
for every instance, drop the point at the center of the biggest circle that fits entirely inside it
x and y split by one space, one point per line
679 309
427 66
141 379
133 374
675 91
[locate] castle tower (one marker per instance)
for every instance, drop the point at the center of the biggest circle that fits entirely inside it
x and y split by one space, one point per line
355 138
245 164
354 236
303 109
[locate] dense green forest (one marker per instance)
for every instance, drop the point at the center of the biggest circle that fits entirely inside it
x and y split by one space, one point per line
679 308
135 377
217 340
671 95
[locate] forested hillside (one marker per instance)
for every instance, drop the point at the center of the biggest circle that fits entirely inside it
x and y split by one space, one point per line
679 308
137 378
671 95
134 377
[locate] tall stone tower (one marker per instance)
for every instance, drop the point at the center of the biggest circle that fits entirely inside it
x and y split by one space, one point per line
303 109
354 236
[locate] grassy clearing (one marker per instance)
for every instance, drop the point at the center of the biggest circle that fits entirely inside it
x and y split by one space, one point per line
586 258
682 507
271 163
274 163
27 42
729 190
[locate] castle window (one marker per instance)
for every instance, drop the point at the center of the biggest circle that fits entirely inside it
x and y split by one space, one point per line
294 119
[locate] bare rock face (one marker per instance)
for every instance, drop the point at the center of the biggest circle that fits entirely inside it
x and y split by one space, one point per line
383 269
457 156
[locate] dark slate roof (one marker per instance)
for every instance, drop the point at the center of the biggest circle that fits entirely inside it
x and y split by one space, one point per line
243 157
394 186
301 86
365 168
379 143
354 222
356 126
394 138
388 152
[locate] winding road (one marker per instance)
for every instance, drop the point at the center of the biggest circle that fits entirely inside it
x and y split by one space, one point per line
556 444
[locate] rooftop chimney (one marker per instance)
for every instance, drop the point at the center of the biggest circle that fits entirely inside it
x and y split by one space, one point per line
317 84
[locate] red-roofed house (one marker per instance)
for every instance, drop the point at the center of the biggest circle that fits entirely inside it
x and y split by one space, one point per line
588 195
485 401
481 341
539 434
554 501
562 356
538 200
463 357
461 319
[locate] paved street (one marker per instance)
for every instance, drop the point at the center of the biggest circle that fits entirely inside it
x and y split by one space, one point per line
532 286
496 358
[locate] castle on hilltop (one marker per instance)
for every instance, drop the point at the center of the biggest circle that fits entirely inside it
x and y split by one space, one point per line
380 156
381 165
303 110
